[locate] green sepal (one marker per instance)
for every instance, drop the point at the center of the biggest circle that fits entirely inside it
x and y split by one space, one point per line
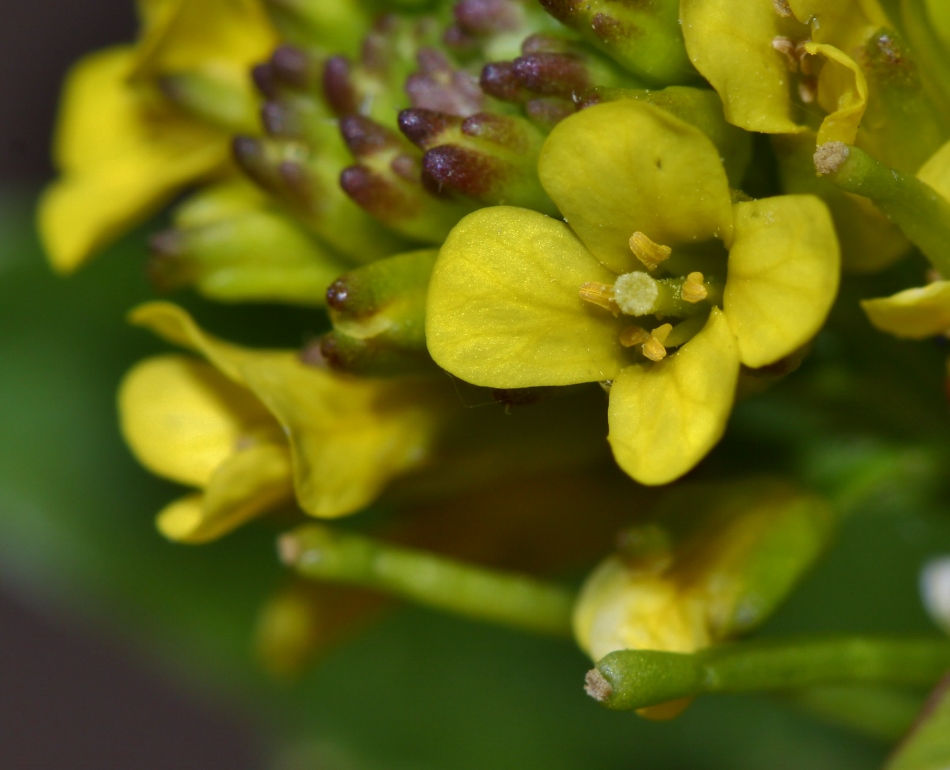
378 315
757 537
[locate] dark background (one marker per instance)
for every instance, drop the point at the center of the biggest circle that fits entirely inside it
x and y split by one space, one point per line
70 698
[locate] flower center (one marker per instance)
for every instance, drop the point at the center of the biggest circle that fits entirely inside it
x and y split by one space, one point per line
640 294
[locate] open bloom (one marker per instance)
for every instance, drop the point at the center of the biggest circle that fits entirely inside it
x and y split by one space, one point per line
122 147
257 427
759 58
654 256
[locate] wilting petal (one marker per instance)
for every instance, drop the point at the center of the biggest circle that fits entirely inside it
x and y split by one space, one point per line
665 417
730 43
182 418
783 275
250 482
121 156
913 313
504 309
349 437
842 93
626 166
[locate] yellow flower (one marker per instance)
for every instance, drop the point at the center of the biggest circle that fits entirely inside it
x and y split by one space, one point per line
759 57
254 420
637 188
713 562
122 149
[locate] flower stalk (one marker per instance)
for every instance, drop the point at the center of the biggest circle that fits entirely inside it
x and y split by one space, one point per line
320 553
634 679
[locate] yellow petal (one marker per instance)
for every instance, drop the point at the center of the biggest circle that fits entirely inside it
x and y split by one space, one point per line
122 157
730 43
913 313
349 437
623 609
183 35
182 418
625 167
504 310
665 417
251 482
175 325
783 275
842 23
842 93
936 171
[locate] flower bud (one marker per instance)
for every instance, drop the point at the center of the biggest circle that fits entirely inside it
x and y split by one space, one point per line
387 183
308 184
252 256
338 25
644 38
378 315
213 96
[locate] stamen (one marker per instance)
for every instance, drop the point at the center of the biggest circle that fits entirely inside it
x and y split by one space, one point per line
807 90
693 288
600 294
634 335
782 8
649 253
653 348
786 46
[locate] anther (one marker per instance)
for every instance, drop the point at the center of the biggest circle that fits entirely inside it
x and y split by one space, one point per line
786 46
634 335
600 294
782 8
654 348
649 253
693 288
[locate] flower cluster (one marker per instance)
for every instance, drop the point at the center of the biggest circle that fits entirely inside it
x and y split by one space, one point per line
506 216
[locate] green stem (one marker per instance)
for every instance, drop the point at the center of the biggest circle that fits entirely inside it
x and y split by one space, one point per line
633 679
921 212
320 553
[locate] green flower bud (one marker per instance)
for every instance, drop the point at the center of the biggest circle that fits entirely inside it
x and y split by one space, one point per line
248 256
378 315
644 38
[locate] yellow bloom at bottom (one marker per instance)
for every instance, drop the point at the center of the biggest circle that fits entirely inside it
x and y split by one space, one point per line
258 427
713 563
657 284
